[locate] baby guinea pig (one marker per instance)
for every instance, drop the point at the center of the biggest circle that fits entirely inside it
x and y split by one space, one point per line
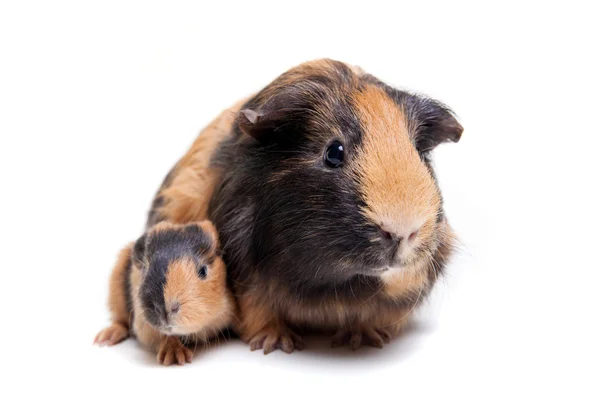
174 295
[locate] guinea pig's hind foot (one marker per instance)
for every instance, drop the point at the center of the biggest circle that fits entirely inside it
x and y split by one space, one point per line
112 335
276 336
354 338
172 351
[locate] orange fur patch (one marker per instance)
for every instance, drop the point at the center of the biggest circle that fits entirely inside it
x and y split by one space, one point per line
203 303
396 185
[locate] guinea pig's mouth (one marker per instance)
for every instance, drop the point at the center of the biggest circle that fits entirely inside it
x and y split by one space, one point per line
171 330
175 329
171 327
378 271
161 324
376 264
166 329
403 256
394 262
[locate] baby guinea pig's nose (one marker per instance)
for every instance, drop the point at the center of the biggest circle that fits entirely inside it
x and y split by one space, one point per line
173 307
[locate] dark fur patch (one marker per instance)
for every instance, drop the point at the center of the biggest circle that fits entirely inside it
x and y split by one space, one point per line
151 292
127 291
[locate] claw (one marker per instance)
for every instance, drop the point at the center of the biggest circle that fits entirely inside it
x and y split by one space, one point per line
271 339
172 351
355 338
355 341
340 338
387 336
112 335
257 342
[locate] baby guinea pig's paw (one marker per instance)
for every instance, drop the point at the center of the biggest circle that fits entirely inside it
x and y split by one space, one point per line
112 335
365 336
172 351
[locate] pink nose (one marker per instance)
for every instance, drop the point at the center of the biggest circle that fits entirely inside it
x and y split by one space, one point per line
413 235
398 236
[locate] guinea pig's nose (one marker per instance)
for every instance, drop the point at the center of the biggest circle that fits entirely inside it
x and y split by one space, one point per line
387 235
398 235
413 235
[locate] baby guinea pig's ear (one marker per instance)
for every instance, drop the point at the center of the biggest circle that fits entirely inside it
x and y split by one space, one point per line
139 248
207 234
437 124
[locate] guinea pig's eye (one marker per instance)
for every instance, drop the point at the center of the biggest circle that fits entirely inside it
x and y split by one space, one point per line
334 156
203 272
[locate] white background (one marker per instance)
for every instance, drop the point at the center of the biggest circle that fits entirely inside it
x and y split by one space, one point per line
97 101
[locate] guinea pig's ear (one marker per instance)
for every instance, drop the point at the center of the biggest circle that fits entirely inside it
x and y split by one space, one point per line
436 124
139 248
256 124
247 120
263 121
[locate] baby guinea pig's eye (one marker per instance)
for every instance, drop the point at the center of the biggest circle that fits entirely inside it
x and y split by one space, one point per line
334 155
203 272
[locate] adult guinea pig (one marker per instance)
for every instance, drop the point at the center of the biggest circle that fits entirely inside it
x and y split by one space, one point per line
169 290
323 194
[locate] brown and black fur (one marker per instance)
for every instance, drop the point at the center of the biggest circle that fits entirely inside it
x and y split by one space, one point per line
303 242
168 290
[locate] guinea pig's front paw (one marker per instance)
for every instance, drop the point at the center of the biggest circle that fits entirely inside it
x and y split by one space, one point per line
354 338
111 335
172 351
276 336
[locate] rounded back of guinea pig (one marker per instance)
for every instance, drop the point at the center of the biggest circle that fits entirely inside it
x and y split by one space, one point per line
327 177
183 277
